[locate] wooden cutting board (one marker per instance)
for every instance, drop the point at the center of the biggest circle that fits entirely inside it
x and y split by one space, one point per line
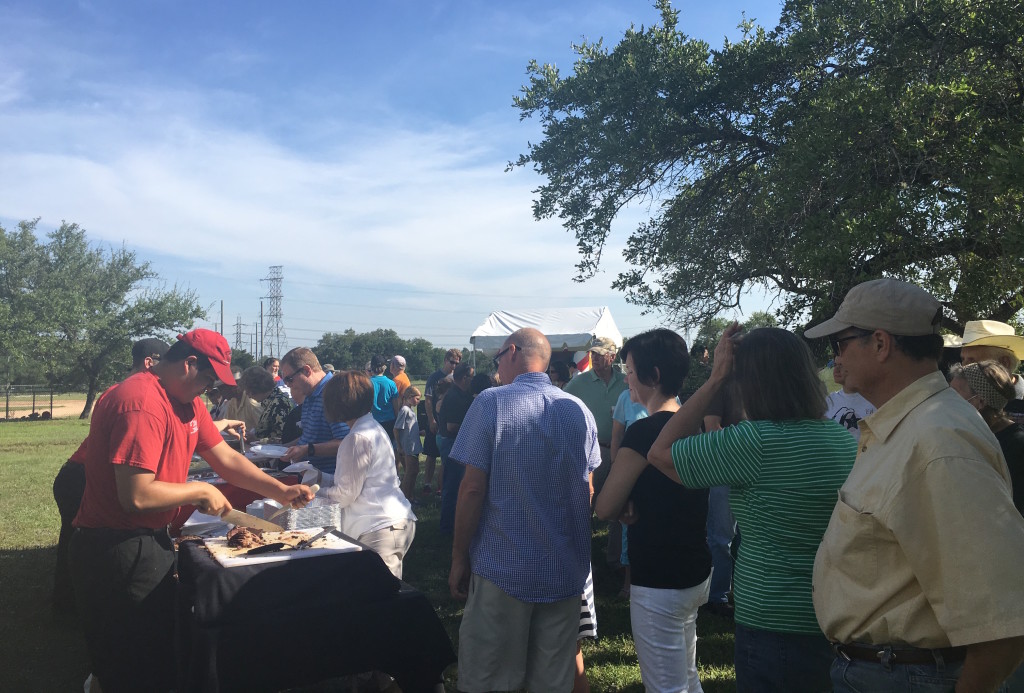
229 556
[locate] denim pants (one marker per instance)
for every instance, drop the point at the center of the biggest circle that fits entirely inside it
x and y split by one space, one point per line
771 662
450 482
721 530
856 676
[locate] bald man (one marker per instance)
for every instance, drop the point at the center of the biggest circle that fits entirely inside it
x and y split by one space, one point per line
521 551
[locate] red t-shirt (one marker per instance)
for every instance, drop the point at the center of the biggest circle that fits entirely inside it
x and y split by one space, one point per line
135 423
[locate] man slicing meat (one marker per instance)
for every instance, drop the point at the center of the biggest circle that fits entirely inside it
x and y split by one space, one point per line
141 440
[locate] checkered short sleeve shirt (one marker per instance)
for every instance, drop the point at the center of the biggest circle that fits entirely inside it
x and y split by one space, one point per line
538 446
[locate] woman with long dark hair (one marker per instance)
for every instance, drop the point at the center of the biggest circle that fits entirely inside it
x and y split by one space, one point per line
784 465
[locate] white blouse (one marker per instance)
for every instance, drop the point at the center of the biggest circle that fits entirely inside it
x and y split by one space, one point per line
366 481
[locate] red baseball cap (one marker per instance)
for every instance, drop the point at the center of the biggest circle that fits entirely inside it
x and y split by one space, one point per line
212 345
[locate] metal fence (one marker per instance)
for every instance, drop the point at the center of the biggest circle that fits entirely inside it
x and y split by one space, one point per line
30 401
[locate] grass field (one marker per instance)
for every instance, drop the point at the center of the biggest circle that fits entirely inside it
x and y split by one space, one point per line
41 653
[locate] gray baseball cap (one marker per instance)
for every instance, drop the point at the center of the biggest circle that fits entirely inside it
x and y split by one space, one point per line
898 307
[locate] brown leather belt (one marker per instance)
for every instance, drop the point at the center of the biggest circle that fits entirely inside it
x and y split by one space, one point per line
886 654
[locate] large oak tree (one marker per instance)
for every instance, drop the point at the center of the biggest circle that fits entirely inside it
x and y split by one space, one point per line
857 139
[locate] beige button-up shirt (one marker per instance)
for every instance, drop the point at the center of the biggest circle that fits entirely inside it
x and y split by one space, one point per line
924 546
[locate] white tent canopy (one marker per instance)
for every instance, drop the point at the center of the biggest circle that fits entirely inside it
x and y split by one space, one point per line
569 329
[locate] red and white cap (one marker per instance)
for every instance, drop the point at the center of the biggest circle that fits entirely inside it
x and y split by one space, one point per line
212 345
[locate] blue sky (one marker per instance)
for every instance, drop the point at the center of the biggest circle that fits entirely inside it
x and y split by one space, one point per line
360 145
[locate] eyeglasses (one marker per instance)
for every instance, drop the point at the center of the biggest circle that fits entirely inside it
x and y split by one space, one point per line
838 346
454 362
497 357
287 379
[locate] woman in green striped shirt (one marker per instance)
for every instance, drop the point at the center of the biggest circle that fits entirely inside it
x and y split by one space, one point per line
784 465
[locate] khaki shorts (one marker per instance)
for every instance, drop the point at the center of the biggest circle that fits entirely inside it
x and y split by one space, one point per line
506 644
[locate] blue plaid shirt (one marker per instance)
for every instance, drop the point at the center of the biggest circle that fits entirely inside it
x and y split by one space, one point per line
538 447
315 428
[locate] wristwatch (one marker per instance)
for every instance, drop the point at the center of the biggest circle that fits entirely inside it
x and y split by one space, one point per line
311 450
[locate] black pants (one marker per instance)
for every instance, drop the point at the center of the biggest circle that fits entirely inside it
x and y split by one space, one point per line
125 590
68 488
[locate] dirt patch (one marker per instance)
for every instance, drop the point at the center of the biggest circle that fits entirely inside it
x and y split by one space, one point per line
62 408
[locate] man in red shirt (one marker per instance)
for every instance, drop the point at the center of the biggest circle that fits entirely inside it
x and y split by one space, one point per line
143 434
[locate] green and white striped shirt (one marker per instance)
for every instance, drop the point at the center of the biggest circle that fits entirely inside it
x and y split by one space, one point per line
784 478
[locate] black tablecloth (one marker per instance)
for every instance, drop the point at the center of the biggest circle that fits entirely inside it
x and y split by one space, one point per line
274 626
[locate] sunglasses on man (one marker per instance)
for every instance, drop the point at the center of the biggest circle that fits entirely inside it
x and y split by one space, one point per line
287 379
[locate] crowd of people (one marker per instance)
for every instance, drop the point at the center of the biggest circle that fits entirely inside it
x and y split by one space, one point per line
869 539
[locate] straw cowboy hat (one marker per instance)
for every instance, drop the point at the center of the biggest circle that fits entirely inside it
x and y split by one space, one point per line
992 333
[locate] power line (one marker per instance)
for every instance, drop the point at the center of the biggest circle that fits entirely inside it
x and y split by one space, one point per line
603 297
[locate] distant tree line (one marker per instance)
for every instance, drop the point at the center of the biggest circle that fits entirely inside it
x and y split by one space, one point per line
351 350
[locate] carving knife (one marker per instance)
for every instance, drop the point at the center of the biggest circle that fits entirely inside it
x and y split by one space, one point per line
314 488
238 518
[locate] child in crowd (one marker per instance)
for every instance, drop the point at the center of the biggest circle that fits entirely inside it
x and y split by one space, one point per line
407 440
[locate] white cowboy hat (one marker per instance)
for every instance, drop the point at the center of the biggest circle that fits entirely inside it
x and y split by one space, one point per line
993 333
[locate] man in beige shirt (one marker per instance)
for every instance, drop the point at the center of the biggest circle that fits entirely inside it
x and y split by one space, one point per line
918 577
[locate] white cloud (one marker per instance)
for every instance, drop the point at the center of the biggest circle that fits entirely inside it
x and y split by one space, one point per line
163 180
218 182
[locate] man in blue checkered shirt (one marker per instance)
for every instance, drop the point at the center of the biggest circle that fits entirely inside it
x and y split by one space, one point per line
521 551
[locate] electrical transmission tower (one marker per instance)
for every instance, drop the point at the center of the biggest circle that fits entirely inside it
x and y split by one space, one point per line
274 338
238 334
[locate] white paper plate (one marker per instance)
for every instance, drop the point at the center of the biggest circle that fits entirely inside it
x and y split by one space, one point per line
271 451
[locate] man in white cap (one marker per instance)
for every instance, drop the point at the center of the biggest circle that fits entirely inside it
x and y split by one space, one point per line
918 575
397 370
989 339
599 388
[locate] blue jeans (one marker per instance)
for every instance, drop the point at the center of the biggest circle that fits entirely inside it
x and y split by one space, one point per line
450 482
721 530
856 676
771 662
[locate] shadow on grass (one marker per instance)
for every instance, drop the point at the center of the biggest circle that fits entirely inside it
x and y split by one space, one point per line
39 652
611 660
42 653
